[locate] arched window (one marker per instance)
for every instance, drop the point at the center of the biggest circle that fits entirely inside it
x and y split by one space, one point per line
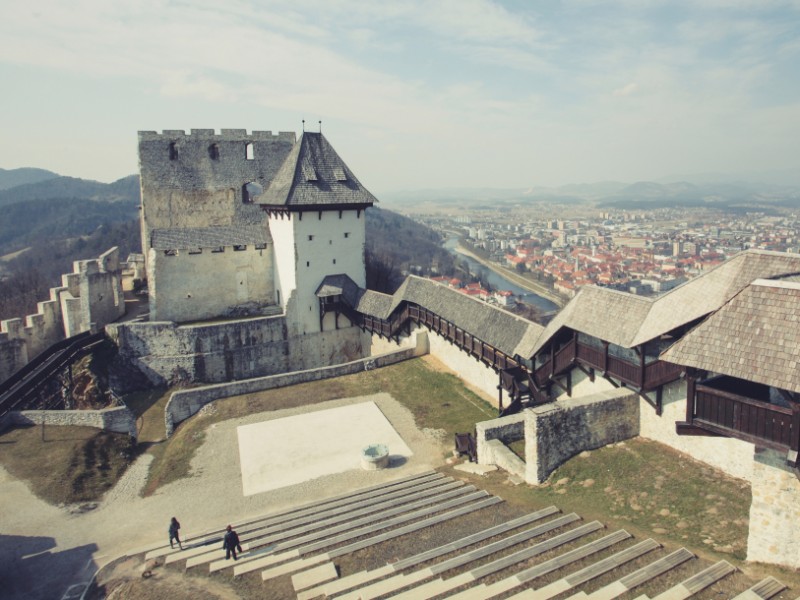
173 151
251 191
213 151
249 151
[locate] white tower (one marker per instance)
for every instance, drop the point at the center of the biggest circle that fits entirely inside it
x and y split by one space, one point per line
316 209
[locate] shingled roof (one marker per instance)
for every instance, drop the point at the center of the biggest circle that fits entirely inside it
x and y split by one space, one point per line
314 175
755 336
499 328
209 237
628 320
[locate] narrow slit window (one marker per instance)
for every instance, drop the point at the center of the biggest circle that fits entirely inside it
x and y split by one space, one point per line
173 151
347 234
213 151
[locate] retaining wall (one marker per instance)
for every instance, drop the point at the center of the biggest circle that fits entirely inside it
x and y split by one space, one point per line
184 403
774 511
118 419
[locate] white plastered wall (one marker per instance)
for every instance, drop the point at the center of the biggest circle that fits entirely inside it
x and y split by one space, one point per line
209 284
308 249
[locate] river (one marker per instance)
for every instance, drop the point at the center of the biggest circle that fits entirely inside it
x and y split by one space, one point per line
499 282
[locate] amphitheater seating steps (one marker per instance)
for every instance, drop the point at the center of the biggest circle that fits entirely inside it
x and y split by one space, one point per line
305 542
763 590
158 549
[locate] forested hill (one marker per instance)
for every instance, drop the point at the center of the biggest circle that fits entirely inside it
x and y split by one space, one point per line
13 177
122 190
46 225
397 245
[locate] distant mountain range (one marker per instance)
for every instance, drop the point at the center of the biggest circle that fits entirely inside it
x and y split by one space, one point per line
39 205
611 194
13 177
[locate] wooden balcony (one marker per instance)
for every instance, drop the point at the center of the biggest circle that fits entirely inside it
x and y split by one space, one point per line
638 375
712 411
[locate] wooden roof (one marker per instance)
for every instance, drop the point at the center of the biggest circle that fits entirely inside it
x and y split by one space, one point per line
628 320
313 175
499 328
755 336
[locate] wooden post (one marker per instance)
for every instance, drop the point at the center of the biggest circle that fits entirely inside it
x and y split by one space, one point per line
500 392
642 357
691 375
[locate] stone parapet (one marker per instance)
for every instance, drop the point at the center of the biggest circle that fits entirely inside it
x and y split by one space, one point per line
558 431
118 419
185 403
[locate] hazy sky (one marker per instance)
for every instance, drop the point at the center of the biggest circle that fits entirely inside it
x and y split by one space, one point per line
412 94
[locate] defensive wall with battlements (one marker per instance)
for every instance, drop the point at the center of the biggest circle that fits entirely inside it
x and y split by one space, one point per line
89 297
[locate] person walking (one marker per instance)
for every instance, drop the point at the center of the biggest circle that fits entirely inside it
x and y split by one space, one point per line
174 526
230 543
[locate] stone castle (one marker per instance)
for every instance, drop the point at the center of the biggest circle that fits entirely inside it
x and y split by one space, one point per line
254 250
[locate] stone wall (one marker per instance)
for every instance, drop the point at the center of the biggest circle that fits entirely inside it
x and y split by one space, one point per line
774 511
195 180
168 353
118 419
558 431
492 437
734 457
206 283
468 368
90 295
184 403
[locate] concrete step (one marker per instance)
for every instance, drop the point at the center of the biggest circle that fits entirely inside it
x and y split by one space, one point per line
363 577
340 522
266 575
468 507
161 548
637 578
763 590
698 582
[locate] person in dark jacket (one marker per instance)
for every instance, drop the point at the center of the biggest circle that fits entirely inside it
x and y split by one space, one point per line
174 526
230 543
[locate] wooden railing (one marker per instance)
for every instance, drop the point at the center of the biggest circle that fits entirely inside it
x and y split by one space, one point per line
25 386
747 419
655 374
413 313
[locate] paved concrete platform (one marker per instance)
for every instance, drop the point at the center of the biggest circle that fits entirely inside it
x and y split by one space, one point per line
284 452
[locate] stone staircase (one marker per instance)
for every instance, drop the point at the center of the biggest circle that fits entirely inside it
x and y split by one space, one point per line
544 554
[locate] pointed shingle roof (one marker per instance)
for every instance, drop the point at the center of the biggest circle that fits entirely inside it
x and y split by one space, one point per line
755 336
313 175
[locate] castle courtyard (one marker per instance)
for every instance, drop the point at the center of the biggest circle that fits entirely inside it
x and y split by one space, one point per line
44 548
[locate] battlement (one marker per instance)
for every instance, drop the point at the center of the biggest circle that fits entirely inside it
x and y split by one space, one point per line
210 135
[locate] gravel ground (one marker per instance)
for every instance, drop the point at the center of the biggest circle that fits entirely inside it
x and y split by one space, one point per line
75 542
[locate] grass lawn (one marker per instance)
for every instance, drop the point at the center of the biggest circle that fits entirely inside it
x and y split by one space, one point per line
438 400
